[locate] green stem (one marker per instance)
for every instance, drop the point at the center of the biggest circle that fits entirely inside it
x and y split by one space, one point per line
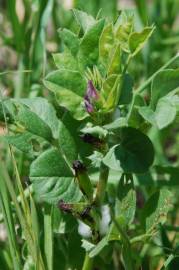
147 82
88 263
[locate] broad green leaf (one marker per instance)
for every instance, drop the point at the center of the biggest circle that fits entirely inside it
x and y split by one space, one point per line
138 40
135 153
70 40
52 179
106 43
32 122
65 60
89 46
165 113
126 207
67 143
69 87
85 21
42 108
164 82
115 60
156 209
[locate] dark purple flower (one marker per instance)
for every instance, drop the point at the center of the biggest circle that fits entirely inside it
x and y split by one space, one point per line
88 105
65 207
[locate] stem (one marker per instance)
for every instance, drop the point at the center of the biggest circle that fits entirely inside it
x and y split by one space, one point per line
149 80
101 187
88 263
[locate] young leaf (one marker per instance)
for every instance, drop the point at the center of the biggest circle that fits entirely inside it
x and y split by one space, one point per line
89 46
70 40
123 29
135 153
115 62
138 40
106 43
85 21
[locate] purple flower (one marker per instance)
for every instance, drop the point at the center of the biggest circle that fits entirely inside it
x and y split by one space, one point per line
88 105
91 91
91 95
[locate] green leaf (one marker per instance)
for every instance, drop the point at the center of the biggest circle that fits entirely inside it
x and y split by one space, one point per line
52 179
165 113
89 46
33 123
69 87
123 29
85 21
70 40
126 207
65 60
148 114
156 209
67 143
138 40
115 60
22 141
42 108
106 43
111 91
135 153
164 82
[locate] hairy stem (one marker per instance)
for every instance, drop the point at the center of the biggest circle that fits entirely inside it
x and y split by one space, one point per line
88 263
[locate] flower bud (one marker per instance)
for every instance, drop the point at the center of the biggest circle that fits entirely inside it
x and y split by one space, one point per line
83 179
